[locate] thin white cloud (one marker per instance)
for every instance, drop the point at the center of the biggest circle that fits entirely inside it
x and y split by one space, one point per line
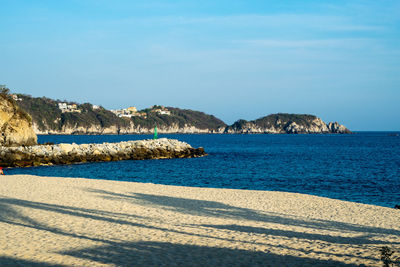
316 43
327 23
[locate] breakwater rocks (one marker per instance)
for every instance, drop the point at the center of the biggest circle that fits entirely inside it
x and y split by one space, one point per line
25 156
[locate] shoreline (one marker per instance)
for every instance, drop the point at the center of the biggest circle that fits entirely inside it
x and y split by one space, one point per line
194 186
66 221
189 186
199 133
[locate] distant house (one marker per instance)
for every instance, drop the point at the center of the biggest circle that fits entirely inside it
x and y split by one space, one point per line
68 108
161 110
132 109
95 107
72 106
120 112
165 112
16 98
62 106
124 115
129 112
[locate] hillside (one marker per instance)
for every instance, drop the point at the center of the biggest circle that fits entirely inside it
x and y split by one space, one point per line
286 123
50 117
180 119
61 117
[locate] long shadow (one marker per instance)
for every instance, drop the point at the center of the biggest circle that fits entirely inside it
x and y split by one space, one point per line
217 209
7 211
359 240
90 213
167 254
9 214
9 261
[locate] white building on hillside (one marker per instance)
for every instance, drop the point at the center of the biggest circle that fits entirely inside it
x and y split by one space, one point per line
68 108
16 98
62 106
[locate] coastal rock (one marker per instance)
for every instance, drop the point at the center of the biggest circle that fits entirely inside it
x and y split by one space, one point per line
24 156
283 123
243 127
131 128
15 124
337 128
86 119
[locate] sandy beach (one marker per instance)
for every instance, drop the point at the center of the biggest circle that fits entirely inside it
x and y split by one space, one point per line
82 222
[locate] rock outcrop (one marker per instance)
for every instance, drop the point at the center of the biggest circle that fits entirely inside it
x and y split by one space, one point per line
286 124
86 118
297 124
162 148
15 124
48 118
130 128
337 128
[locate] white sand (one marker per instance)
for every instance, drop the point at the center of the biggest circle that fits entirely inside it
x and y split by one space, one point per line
83 222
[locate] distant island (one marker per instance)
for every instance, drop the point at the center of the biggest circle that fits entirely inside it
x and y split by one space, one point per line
63 117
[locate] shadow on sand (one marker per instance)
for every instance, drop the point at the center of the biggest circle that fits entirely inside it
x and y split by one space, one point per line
169 254
217 209
8 261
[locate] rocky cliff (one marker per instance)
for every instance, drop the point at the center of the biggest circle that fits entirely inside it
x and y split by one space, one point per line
48 118
286 123
15 124
129 128
163 148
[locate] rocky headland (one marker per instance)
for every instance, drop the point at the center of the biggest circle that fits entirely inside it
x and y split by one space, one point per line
50 117
25 156
15 124
283 123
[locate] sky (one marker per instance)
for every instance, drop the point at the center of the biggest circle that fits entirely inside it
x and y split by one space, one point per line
338 60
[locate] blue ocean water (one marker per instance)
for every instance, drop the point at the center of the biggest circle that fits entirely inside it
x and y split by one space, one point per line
363 167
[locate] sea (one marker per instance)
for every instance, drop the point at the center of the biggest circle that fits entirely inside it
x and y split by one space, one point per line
363 167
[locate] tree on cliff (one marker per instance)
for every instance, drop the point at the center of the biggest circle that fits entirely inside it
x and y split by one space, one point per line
4 91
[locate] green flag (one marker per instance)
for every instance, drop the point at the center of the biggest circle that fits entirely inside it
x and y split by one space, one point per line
155 132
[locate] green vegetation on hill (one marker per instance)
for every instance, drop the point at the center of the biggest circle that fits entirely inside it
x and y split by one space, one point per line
44 111
286 123
285 119
279 120
180 118
198 119
47 115
89 116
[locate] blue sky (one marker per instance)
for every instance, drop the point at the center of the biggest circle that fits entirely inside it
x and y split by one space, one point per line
339 60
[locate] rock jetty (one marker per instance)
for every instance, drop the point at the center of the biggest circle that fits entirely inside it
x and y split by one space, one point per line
25 156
